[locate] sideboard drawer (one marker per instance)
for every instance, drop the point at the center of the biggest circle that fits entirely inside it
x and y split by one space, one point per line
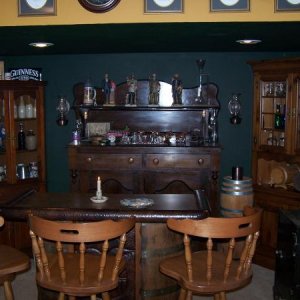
108 161
186 161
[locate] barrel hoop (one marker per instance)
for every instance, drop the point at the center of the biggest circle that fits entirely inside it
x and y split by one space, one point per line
236 188
231 210
228 179
236 193
159 292
162 252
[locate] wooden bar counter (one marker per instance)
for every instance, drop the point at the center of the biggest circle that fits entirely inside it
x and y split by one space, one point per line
147 244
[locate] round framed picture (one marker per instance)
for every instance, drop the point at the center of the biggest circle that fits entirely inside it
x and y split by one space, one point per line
99 6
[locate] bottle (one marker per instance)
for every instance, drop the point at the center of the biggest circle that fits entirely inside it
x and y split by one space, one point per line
283 117
21 137
203 128
277 118
281 139
21 108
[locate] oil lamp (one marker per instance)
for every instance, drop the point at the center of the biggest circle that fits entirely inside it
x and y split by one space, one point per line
63 108
234 106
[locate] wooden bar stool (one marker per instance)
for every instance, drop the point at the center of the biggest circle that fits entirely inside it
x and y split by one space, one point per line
12 261
79 272
213 271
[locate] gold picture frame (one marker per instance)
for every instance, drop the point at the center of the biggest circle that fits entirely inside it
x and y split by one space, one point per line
287 5
36 8
163 6
229 5
2 70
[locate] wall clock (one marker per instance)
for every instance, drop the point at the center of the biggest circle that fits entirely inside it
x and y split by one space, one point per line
287 5
36 7
229 5
157 6
99 6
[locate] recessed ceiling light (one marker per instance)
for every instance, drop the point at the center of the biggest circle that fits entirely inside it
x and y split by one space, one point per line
41 44
248 41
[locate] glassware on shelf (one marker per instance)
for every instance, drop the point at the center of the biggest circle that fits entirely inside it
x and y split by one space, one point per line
213 127
21 109
30 140
28 108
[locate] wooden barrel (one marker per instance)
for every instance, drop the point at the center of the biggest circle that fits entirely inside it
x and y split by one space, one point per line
235 194
158 242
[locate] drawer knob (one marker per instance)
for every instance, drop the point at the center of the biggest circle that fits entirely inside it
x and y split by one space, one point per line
89 159
131 160
156 161
200 161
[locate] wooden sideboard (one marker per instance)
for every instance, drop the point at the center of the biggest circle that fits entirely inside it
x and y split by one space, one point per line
146 170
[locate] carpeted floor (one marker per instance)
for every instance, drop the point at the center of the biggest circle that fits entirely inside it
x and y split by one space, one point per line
259 289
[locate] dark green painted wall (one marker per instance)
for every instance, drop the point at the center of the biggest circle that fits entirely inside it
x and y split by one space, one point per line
228 70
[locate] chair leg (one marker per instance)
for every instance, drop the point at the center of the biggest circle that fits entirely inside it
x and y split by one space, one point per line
8 292
61 296
105 296
93 297
182 294
220 296
189 295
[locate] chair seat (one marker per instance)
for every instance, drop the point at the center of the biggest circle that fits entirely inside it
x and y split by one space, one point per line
72 285
12 261
175 267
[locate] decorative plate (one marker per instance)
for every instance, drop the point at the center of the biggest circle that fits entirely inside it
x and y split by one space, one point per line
137 202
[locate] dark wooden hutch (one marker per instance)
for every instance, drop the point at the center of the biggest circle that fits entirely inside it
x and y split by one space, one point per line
147 168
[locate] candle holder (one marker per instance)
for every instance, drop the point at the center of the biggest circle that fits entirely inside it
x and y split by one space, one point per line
99 198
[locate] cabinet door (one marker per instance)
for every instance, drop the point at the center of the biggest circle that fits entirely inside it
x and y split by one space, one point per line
295 113
24 154
271 110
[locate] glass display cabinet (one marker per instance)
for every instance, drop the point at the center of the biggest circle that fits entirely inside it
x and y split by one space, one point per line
22 147
275 150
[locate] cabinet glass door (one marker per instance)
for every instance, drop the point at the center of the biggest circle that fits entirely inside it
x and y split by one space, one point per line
25 130
297 109
273 107
3 146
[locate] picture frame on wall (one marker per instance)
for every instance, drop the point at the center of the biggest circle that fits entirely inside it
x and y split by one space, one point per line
287 5
1 69
36 7
229 5
163 6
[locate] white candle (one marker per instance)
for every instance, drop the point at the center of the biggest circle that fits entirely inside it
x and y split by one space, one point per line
98 184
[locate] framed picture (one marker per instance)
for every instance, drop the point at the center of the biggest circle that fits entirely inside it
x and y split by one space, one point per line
229 5
36 7
287 5
163 6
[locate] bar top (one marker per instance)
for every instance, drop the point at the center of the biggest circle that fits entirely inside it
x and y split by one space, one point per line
79 207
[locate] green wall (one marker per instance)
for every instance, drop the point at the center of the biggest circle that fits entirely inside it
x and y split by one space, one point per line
229 71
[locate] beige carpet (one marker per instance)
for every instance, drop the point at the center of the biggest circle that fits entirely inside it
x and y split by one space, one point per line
259 289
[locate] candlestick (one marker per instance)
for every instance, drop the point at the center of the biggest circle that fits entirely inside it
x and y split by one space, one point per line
98 184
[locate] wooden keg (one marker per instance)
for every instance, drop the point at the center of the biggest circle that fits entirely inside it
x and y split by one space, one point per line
158 242
235 195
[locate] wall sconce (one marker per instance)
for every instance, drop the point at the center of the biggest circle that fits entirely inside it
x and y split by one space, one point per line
234 106
63 108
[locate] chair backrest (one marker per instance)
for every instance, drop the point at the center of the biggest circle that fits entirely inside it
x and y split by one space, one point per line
216 230
63 233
